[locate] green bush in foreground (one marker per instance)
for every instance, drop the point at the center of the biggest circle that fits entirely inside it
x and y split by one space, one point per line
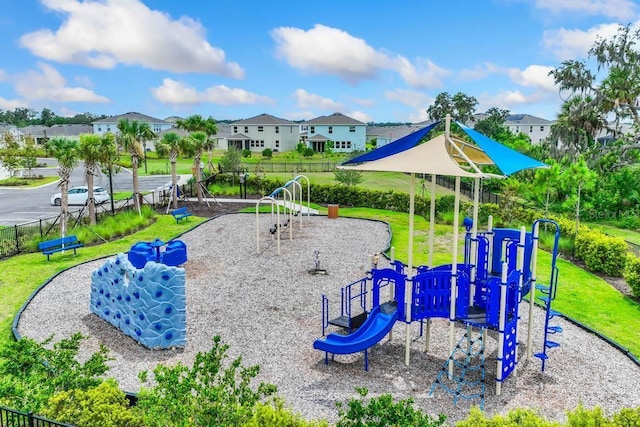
632 274
382 411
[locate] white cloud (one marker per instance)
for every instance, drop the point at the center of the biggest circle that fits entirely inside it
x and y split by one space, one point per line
175 92
536 76
510 99
479 72
419 116
48 84
618 9
571 44
305 99
11 104
301 115
359 115
408 97
363 102
103 34
3 76
326 50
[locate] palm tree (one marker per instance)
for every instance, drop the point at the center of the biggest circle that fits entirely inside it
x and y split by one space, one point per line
130 137
89 151
108 158
145 134
172 145
197 124
66 152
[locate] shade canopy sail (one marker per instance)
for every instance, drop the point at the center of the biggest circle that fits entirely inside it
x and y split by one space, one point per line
432 157
401 144
509 161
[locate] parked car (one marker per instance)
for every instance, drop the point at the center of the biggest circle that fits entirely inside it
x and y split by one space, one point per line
78 196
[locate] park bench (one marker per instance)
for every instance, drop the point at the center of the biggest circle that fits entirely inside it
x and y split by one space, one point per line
180 213
49 247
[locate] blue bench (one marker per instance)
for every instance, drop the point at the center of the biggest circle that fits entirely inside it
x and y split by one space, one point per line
58 245
180 213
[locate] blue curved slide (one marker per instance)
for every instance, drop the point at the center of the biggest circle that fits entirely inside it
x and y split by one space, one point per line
377 326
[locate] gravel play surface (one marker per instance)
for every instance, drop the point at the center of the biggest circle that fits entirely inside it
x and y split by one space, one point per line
267 307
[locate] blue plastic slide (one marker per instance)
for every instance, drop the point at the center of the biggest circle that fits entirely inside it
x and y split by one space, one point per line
377 325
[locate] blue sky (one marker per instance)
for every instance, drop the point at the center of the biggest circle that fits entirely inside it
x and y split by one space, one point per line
374 61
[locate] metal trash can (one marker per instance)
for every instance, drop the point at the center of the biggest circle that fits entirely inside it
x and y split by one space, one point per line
333 211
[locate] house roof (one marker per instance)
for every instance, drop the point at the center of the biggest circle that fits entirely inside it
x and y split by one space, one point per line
264 119
132 116
526 119
237 136
391 132
334 119
173 119
68 130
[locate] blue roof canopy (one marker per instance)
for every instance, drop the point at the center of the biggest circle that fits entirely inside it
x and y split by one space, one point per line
397 146
508 160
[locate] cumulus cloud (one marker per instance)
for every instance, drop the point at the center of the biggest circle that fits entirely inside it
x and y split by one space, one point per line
511 100
11 104
570 44
623 10
175 92
408 97
327 50
305 99
48 84
479 72
536 76
359 115
103 34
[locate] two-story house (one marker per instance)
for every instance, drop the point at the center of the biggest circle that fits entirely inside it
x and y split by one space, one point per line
263 131
110 124
536 128
347 134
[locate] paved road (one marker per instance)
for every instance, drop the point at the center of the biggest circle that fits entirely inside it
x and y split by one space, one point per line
23 205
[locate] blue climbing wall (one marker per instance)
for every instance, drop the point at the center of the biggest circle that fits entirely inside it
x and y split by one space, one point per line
147 304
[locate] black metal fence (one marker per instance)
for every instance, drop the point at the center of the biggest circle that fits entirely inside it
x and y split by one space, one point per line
269 166
466 189
11 418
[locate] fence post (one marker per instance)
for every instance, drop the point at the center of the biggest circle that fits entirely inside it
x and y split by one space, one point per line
30 419
15 227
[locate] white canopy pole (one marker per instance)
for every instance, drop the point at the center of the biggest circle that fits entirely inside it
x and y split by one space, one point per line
473 259
432 233
409 288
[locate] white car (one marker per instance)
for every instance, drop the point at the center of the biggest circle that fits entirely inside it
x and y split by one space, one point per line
78 196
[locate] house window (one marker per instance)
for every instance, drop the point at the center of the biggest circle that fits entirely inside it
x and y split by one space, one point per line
277 144
313 129
277 129
157 128
541 128
348 145
330 129
352 128
99 129
530 129
246 129
260 129
261 143
235 129
108 128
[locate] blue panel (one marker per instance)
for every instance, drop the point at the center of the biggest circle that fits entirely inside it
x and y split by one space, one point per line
148 304
397 146
509 161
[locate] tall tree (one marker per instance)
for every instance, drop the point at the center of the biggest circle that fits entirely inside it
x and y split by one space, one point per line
108 159
65 150
90 152
131 133
613 90
576 179
461 107
172 145
208 128
145 134
493 125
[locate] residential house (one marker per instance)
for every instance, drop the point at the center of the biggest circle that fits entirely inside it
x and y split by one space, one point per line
43 133
536 128
383 135
11 130
110 124
347 134
263 131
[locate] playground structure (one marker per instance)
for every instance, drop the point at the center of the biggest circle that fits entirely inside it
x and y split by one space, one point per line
289 196
148 304
484 293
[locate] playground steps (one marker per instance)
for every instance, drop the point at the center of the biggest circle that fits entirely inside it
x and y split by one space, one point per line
349 324
468 370
546 300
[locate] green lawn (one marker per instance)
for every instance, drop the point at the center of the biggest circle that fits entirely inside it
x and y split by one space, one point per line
629 235
27 182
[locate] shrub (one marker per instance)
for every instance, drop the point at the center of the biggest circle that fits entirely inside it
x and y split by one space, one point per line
308 152
102 406
246 153
267 153
516 417
212 392
276 415
382 411
601 253
632 274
